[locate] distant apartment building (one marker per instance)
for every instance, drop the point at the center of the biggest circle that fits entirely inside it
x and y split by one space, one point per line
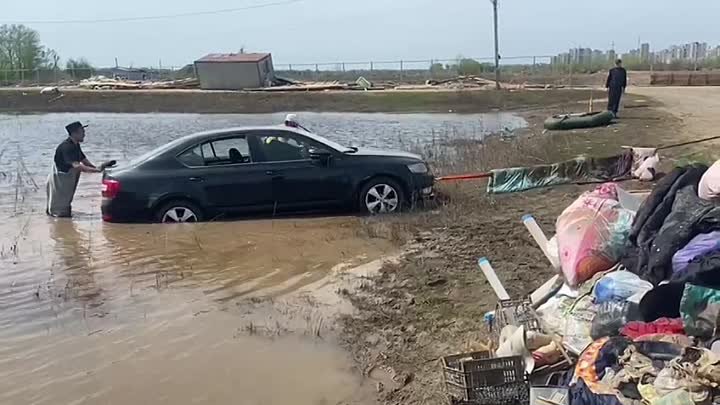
698 51
691 52
580 56
562 59
583 56
645 52
714 53
598 56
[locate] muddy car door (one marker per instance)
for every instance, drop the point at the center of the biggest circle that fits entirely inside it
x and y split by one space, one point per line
299 181
229 177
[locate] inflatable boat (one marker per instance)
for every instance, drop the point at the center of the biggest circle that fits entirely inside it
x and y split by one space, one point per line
582 120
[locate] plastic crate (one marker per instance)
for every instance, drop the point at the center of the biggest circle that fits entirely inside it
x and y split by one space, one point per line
556 395
518 313
477 378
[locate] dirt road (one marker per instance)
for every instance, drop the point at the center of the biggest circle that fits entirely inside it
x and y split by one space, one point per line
697 107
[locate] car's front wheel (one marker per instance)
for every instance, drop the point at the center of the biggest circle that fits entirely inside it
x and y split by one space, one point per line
381 195
179 212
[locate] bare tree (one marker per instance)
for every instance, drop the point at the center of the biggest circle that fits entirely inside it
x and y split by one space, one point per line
79 68
52 59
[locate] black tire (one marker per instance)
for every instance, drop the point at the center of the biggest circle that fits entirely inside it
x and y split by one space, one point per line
389 196
181 209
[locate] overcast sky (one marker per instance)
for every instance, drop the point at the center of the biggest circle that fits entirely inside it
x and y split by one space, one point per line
346 30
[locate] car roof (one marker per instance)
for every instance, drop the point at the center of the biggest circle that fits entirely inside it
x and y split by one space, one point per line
204 135
222 131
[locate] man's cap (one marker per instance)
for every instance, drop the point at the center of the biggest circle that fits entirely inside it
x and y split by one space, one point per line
72 127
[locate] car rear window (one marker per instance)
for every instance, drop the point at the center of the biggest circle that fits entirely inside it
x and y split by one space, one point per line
192 157
155 152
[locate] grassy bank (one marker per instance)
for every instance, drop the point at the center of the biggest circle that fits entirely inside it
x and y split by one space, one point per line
116 101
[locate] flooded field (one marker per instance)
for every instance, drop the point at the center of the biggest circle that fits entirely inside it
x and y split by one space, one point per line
95 313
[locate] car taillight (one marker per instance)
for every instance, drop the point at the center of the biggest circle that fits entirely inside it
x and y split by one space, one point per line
110 188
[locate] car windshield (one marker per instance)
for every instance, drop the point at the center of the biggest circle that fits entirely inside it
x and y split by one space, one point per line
332 144
155 152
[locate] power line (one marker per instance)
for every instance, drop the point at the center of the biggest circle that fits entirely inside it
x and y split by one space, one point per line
158 17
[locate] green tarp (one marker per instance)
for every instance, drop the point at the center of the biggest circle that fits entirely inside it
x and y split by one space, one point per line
579 170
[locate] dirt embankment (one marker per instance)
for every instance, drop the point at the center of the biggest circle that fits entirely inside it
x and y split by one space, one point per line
432 302
192 101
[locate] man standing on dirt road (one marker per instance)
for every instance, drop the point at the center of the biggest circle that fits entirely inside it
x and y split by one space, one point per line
616 83
69 162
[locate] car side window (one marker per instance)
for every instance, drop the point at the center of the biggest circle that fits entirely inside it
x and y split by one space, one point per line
192 157
281 147
231 150
226 151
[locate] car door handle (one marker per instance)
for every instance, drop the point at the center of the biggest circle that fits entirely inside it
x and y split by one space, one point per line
196 179
275 175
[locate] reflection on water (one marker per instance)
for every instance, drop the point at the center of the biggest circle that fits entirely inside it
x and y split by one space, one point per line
108 313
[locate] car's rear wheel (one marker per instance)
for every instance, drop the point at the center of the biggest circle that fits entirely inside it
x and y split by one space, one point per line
179 211
381 195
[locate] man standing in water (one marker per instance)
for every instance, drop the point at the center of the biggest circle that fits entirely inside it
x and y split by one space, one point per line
69 162
616 83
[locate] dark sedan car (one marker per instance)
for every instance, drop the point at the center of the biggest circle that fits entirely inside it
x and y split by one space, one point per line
271 169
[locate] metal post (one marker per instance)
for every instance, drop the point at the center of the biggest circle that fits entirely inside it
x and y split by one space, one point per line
290 67
497 44
401 69
534 64
343 67
371 66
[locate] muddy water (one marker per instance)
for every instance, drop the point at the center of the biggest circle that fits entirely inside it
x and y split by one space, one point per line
95 313
202 360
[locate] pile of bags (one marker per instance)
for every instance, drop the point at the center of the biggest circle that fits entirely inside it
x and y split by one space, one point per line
639 307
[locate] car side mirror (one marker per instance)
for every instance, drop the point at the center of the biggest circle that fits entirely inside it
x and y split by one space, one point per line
320 155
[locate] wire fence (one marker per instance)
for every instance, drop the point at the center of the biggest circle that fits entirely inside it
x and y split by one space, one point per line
399 70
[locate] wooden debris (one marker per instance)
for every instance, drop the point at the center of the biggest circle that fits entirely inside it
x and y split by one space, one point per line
105 83
305 86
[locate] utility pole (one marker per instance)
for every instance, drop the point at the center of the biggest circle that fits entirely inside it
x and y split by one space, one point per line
497 46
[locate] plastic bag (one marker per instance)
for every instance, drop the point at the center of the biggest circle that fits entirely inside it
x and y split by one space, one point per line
709 186
619 286
700 310
592 234
578 324
648 169
610 318
698 246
